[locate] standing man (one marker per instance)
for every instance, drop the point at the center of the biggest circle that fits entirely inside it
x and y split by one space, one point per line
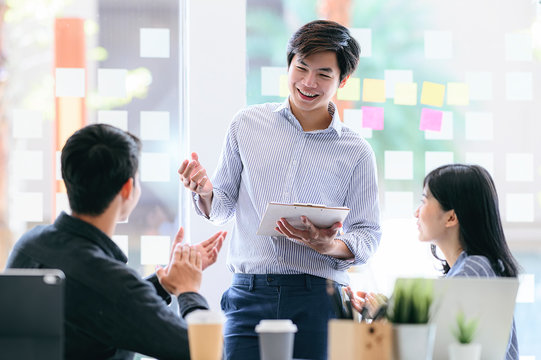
293 152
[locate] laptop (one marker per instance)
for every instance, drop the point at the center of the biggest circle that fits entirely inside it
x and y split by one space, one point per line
31 314
490 300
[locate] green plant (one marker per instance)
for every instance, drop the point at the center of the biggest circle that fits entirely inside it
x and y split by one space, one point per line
411 301
465 329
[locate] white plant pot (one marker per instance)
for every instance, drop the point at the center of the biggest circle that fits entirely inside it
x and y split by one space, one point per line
413 341
465 351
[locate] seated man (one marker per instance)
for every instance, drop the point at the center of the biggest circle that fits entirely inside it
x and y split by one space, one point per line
110 312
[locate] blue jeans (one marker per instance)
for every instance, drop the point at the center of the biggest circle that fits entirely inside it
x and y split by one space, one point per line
301 298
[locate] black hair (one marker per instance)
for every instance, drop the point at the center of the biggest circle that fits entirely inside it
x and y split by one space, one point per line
469 190
324 35
97 160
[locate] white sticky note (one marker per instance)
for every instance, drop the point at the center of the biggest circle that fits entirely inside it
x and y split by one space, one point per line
58 165
526 357
155 250
270 80
154 125
446 131
392 77
519 207
526 289
479 125
438 44
27 124
155 167
399 205
116 118
398 165
28 206
61 204
364 38
518 46
154 43
27 165
112 82
519 167
122 242
518 86
405 93
480 84
70 82
353 119
458 93
434 159
484 159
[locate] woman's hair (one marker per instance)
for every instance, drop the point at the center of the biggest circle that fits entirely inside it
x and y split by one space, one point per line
470 192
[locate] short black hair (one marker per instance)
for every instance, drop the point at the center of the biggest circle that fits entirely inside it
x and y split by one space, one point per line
324 35
97 160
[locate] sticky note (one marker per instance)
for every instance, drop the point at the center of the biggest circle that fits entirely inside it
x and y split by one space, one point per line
351 90
373 90
519 167
479 126
27 124
398 165
154 43
28 206
432 94
526 289
434 159
112 82
458 93
430 119
480 84
372 117
483 159
405 93
518 46
446 129
27 165
364 38
270 80
519 207
518 86
438 44
70 82
392 77
155 250
398 205
122 242
284 86
155 167
353 119
154 125
116 118
61 204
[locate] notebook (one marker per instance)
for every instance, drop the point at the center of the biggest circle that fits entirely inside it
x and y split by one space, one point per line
32 314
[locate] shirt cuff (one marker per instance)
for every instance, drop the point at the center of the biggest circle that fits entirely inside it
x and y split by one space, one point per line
190 301
153 279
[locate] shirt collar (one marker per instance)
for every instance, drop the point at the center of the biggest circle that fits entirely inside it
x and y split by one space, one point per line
336 123
458 264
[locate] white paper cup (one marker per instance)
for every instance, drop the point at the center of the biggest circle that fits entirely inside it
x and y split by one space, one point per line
276 339
205 334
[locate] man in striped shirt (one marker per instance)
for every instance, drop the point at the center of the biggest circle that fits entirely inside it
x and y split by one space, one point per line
293 152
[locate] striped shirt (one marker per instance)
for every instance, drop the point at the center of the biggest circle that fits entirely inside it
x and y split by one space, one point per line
268 157
479 266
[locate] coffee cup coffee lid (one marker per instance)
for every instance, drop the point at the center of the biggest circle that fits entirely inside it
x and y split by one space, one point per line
205 317
275 326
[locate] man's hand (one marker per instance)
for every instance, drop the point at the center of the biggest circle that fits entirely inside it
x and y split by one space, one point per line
194 177
184 272
210 248
321 240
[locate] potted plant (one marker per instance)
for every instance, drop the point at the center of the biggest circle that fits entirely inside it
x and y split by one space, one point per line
464 332
409 311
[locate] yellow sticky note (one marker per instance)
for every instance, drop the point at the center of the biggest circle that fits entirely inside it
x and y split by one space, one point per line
284 89
458 93
374 90
405 93
432 94
351 90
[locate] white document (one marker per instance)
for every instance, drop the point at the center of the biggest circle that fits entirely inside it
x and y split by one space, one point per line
320 215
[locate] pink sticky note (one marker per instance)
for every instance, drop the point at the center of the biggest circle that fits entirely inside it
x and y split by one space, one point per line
431 119
372 117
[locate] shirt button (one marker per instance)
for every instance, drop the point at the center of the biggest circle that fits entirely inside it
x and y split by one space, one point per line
279 258
294 162
286 194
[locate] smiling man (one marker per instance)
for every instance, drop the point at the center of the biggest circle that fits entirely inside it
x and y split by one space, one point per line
297 151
